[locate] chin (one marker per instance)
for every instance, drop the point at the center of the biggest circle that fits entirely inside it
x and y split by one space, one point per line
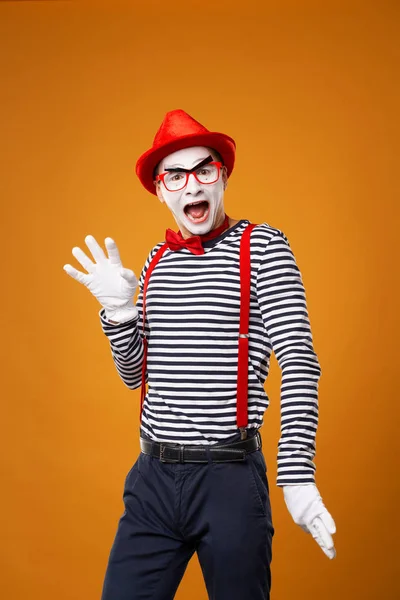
201 228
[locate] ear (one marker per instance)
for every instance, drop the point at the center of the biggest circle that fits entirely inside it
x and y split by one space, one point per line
158 190
224 176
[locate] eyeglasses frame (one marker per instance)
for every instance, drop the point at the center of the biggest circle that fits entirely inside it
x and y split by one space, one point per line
219 164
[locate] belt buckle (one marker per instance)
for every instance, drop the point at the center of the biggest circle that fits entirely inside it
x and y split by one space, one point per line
164 459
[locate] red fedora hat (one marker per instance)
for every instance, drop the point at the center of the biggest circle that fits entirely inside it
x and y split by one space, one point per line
177 131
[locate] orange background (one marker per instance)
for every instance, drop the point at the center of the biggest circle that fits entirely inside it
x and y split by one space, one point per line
310 93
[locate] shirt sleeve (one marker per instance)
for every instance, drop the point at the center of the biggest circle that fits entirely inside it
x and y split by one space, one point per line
282 302
126 339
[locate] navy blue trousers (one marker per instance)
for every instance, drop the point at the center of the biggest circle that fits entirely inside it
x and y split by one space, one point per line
219 510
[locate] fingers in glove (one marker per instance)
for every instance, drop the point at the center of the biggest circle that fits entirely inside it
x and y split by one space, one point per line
95 249
81 277
328 522
322 537
113 252
129 275
330 553
83 259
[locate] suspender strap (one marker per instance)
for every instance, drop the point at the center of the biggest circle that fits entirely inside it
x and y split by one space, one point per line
150 268
243 346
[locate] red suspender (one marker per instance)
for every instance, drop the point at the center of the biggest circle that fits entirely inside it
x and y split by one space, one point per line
243 350
243 346
150 268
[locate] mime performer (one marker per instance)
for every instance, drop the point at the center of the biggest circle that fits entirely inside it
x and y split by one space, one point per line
215 299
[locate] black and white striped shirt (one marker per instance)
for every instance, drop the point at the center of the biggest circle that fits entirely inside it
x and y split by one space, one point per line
192 324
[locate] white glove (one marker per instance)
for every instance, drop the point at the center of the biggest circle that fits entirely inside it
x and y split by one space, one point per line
112 284
307 509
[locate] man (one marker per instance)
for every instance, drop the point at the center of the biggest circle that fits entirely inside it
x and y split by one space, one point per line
200 482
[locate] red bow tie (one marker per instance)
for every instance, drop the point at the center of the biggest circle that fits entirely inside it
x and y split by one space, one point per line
176 241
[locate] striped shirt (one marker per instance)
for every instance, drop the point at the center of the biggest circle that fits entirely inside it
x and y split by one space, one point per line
192 325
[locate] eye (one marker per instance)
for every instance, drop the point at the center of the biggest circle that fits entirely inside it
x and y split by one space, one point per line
176 176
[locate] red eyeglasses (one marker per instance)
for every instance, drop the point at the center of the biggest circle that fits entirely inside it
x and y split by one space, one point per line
177 180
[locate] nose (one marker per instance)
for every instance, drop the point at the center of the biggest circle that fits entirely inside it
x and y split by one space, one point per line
193 186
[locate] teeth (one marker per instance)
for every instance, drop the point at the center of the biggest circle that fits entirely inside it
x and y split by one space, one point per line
198 202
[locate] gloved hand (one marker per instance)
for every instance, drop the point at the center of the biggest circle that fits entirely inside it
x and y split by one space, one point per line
307 509
112 284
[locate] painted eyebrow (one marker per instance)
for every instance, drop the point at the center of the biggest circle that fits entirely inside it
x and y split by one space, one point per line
201 163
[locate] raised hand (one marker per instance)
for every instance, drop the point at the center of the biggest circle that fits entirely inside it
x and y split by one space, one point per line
308 511
106 278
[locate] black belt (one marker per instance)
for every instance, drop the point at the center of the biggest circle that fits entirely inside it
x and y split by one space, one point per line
181 453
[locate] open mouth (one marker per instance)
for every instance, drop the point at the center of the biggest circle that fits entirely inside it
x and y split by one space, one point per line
197 212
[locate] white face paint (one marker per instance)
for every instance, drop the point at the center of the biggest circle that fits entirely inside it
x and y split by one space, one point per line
213 193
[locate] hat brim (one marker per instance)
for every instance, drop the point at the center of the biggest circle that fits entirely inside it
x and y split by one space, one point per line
148 161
